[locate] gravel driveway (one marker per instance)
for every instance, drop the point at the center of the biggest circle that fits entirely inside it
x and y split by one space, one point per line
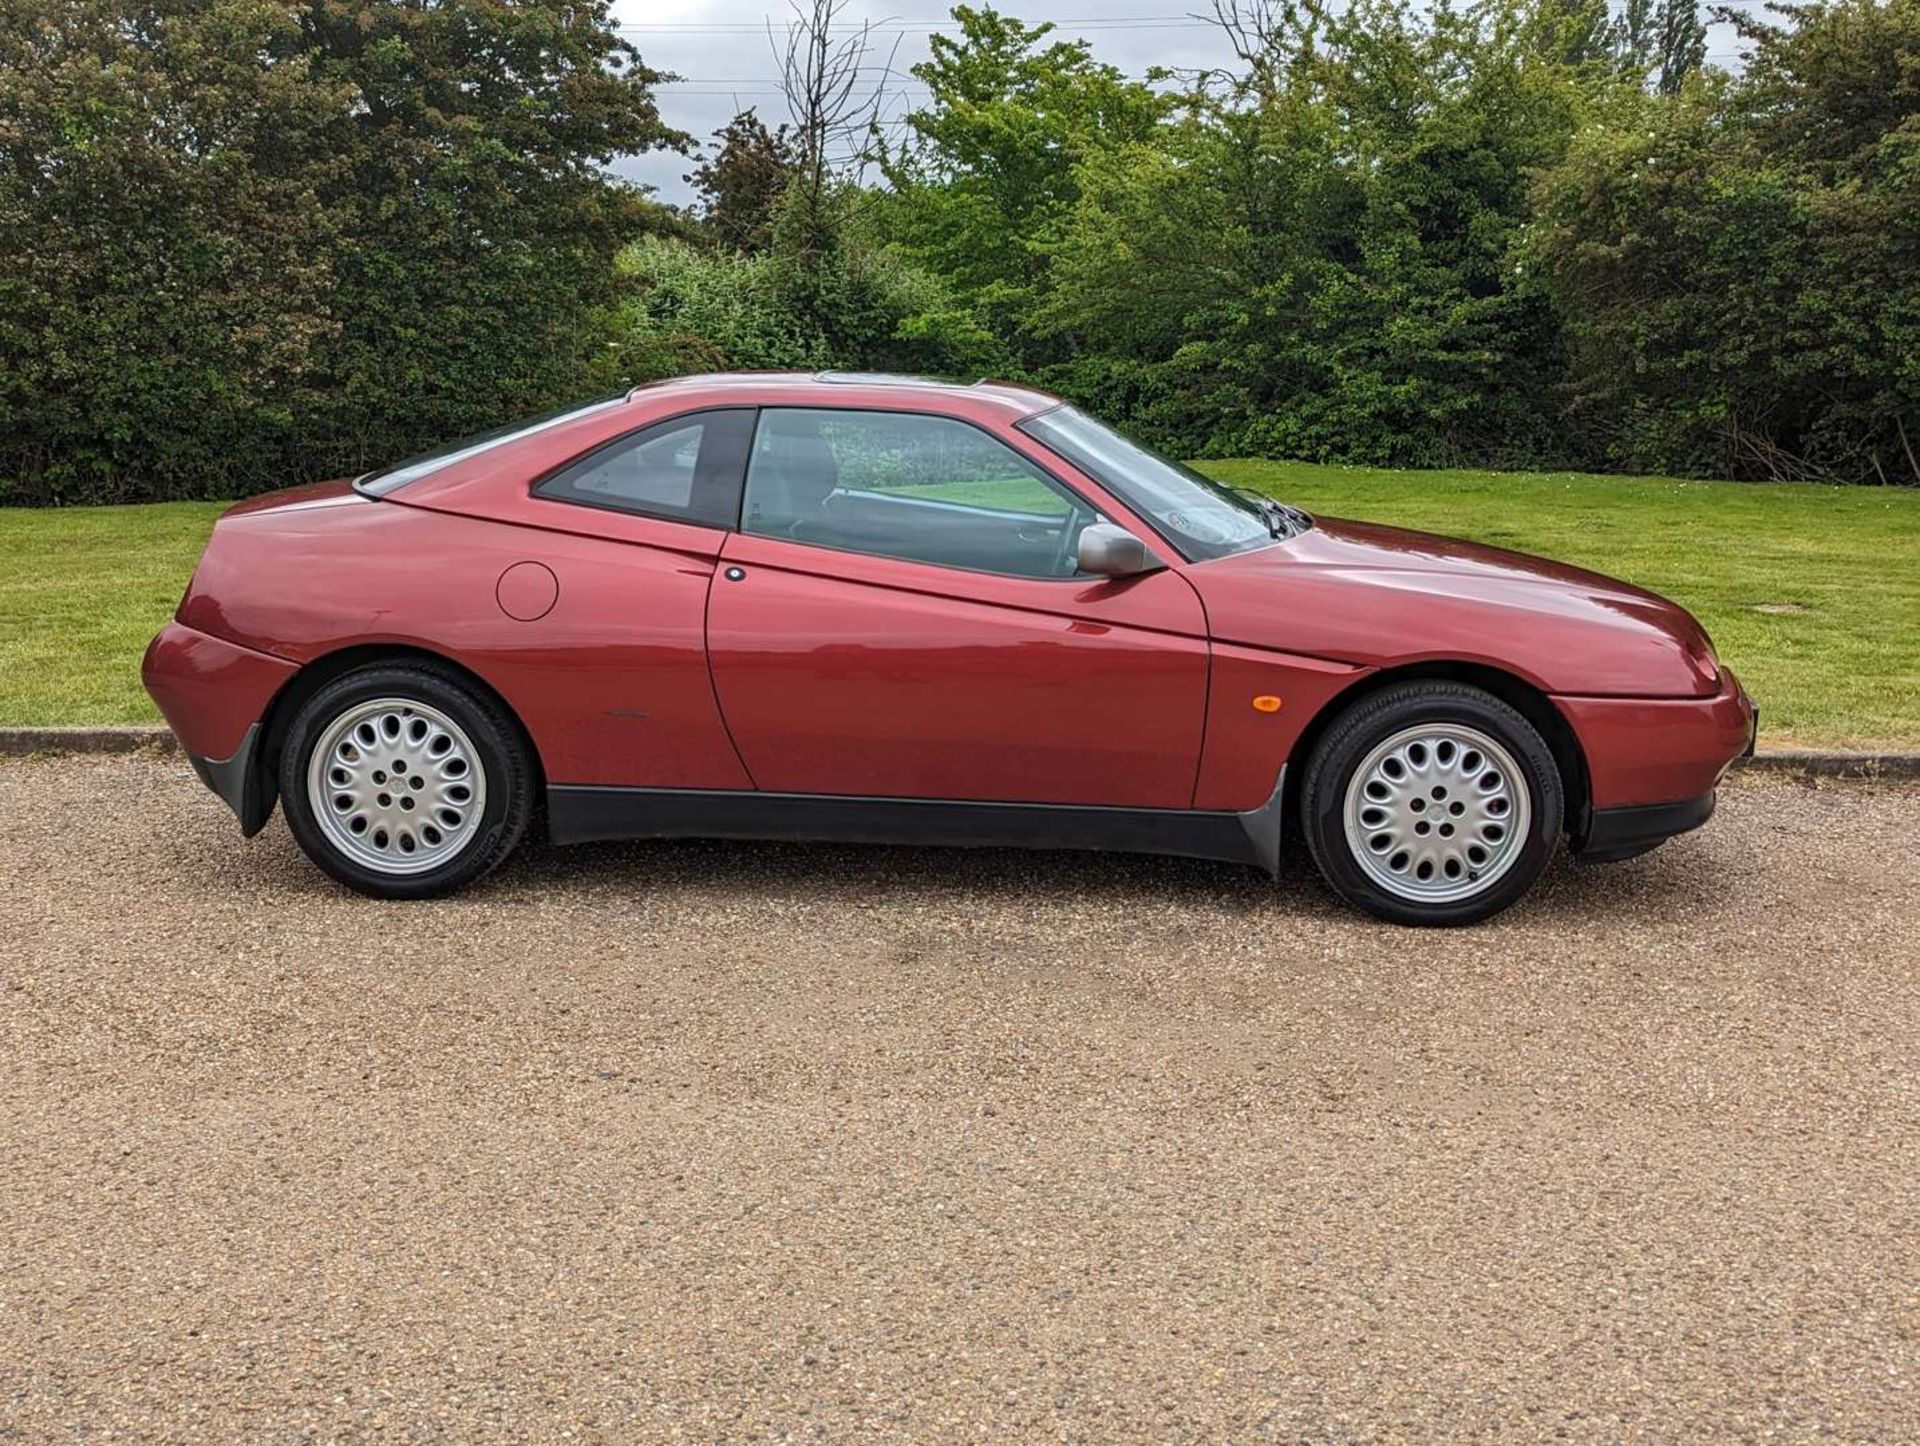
724 1140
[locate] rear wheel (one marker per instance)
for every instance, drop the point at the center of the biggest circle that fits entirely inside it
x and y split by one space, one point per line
403 781
1432 803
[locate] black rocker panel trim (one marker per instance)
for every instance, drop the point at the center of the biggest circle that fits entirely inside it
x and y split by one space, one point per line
584 815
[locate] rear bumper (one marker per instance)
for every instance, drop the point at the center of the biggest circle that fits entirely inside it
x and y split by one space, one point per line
214 695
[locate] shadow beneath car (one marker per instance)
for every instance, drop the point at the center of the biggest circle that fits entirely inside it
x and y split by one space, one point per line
829 873
823 871
1671 881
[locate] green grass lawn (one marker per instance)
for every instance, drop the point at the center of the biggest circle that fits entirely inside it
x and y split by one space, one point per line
82 589
1811 593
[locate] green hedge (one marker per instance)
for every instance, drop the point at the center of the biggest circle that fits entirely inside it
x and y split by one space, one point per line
246 243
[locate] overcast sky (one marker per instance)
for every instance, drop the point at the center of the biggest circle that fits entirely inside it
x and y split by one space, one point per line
721 51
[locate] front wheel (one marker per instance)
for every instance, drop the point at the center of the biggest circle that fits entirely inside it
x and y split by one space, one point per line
403 781
1432 803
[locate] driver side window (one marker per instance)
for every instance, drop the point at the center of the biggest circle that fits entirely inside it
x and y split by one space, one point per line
908 485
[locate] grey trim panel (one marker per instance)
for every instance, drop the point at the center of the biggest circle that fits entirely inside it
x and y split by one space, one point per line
239 784
583 815
1266 826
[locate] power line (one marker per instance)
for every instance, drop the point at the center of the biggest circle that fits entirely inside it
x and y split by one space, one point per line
676 27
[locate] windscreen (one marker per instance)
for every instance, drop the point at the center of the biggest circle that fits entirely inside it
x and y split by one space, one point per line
1194 513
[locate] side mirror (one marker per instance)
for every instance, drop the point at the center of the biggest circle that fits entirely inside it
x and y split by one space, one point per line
1110 551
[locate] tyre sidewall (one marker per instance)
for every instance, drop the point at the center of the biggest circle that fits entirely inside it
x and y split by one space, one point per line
1355 735
509 791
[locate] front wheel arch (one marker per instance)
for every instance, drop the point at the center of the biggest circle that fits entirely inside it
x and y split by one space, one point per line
263 784
1516 692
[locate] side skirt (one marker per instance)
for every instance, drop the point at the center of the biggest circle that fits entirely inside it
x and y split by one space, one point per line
585 815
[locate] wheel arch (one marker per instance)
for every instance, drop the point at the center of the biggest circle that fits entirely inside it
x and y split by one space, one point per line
1522 696
263 787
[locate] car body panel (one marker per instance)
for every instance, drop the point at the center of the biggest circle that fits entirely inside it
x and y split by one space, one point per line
1383 597
1259 702
611 683
1659 750
848 674
210 689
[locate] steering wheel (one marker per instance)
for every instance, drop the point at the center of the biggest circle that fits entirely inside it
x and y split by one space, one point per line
1066 560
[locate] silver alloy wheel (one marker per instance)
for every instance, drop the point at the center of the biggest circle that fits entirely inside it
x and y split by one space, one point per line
1437 813
396 786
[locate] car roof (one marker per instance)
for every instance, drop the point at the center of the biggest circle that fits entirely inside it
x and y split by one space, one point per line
854 389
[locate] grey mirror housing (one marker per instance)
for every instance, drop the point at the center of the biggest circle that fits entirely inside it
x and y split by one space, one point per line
1110 551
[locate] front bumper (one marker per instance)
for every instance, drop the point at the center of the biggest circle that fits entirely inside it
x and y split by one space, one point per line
214 695
1659 750
1620 833
1653 763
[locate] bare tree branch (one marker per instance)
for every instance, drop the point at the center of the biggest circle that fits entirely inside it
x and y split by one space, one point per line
820 75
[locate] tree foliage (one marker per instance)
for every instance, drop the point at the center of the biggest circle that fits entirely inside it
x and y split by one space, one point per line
1318 265
742 183
250 242
984 190
1737 270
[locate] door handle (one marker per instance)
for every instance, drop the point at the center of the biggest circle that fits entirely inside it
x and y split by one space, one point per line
734 574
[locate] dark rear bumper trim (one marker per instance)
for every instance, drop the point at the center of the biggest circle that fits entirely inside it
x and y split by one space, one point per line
1620 833
234 780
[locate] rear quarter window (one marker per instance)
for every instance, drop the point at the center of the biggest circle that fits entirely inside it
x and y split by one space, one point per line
388 479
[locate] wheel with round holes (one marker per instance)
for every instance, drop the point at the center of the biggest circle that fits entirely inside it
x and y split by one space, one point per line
1432 803
403 781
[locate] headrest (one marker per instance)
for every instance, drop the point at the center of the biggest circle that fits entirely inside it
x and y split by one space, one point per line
797 463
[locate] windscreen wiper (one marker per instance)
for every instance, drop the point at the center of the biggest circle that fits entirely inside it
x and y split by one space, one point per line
1281 520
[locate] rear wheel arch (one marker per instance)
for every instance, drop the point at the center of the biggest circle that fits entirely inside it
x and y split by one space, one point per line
1516 692
323 670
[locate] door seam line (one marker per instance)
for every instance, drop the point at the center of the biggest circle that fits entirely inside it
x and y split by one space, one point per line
713 683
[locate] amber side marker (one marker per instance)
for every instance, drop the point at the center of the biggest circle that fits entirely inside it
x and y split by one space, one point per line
1266 703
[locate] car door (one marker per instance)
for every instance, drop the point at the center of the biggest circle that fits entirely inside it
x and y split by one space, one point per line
900 616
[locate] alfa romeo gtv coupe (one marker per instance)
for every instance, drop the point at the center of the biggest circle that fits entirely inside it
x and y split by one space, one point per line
883 609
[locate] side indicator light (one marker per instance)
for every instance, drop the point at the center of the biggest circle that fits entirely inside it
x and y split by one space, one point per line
1266 703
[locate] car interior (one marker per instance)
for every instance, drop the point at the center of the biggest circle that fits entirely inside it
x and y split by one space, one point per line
987 510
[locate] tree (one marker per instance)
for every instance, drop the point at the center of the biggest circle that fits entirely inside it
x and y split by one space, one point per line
481 223
251 242
1576 32
1737 269
1664 41
991 175
166 238
743 182
1317 262
1633 35
1682 40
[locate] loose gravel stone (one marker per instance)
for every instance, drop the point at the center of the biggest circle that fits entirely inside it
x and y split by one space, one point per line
719 1140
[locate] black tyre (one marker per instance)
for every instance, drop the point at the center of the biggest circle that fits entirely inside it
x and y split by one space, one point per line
403 781
1431 803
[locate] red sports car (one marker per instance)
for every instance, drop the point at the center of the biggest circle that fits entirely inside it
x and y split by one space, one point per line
885 609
